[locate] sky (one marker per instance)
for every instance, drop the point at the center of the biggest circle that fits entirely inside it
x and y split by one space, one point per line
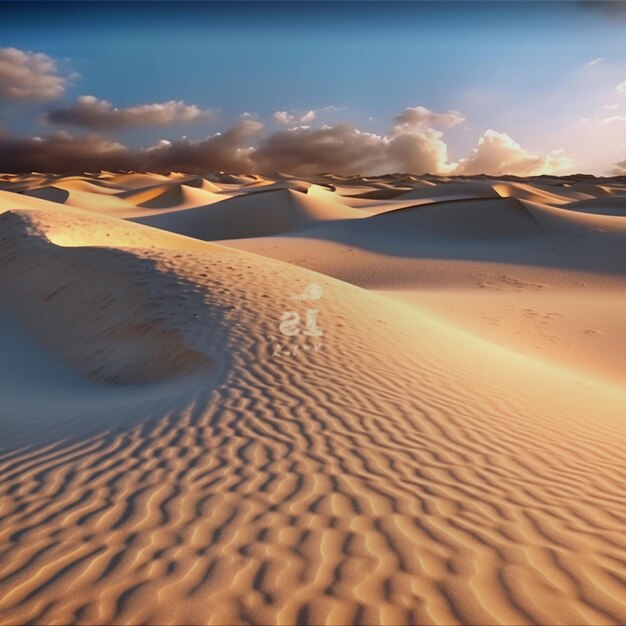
352 87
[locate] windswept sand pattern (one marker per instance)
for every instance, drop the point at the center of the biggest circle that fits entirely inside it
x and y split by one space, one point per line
404 472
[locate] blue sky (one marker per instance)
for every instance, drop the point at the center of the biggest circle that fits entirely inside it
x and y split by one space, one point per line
518 68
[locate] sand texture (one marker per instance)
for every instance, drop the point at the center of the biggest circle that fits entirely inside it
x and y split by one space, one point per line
449 451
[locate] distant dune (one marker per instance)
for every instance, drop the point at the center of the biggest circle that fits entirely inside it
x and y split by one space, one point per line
237 399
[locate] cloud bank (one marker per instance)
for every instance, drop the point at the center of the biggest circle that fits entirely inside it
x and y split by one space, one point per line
29 76
411 145
61 153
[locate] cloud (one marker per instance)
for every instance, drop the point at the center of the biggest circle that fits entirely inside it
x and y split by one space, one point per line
302 150
411 147
497 154
301 117
286 118
62 153
621 88
89 112
29 76
223 151
345 150
421 117
420 152
613 119
616 116
595 61
341 149
619 169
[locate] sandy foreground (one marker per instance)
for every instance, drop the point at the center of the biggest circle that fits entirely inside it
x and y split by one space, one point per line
236 399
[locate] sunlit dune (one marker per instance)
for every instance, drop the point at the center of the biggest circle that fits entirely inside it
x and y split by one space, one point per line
438 442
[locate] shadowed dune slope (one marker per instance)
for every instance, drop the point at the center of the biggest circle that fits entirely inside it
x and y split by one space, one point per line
253 214
467 219
170 195
604 205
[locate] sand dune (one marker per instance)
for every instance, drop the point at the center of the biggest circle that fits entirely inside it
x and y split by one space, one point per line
169 456
467 219
611 205
172 195
452 191
52 193
254 214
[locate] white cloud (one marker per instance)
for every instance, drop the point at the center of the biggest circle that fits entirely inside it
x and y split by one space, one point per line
621 88
30 76
595 61
613 119
89 112
309 116
286 118
498 154
301 117
283 117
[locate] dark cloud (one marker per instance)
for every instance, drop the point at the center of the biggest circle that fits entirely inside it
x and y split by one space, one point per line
619 169
60 152
339 149
226 151
89 112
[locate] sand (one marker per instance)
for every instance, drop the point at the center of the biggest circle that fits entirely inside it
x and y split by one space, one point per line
447 451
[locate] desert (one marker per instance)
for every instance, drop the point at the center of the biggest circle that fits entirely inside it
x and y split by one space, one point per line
312 313
443 449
